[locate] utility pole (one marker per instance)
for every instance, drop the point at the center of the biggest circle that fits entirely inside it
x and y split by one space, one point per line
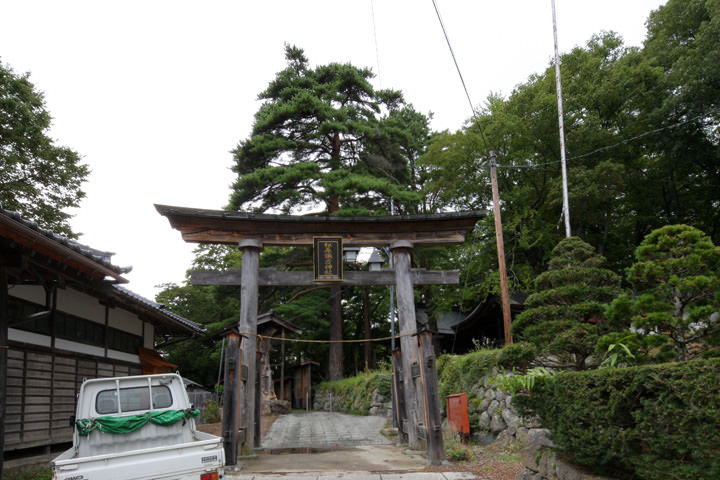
558 84
500 251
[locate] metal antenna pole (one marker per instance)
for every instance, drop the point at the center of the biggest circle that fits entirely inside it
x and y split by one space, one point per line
220 370
392 290
558 84
392 324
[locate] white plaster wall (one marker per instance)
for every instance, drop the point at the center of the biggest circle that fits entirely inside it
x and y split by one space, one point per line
77 347
126 357
31 293
81 305
125 321
28 337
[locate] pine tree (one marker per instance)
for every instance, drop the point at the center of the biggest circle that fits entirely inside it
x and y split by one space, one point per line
566 314
325 140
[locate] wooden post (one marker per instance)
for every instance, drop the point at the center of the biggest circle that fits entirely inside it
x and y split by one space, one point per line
4 321
335 355
282 366
367 346
408 331
231 408
433 423
500 251
400 412
258 399
248 326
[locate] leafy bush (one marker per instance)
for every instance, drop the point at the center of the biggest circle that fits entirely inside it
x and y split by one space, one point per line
459 373
211 413
517 356
354 394
522 383
649 422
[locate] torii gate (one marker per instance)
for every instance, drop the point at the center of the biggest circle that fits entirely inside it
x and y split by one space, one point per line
251 232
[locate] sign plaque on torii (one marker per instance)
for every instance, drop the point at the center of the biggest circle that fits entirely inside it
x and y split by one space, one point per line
251 232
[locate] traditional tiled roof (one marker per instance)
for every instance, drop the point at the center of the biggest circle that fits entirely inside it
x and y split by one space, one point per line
157 308
30 236
98 256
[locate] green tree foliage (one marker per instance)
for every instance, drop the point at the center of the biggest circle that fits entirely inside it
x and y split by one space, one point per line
677 280
325 136
214 307
642 145
565 316
522 130
37 178
682 43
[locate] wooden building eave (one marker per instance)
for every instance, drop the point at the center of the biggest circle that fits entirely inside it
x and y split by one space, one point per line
74 264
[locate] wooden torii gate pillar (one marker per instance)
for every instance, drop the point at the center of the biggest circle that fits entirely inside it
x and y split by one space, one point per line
252 231
407 324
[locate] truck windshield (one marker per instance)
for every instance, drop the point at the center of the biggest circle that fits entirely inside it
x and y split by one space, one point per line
132 399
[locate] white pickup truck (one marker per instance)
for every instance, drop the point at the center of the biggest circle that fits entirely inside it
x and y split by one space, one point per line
138 428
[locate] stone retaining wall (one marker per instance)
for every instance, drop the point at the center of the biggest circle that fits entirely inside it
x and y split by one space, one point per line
492 416
540 462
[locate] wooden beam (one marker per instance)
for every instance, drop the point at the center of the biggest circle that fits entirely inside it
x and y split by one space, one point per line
272 277
4 322
231 227
362 239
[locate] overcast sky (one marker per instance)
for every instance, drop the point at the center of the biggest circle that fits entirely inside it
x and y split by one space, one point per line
155 94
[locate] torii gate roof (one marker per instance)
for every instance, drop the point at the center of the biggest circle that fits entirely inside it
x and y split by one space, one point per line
231 227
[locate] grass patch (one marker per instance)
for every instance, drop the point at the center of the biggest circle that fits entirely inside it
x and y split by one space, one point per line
28 473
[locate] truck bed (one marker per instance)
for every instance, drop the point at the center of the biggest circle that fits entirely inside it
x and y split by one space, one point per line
204 453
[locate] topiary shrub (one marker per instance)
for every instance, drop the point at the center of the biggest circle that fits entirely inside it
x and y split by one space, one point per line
566 314
650 422
517 356
677 281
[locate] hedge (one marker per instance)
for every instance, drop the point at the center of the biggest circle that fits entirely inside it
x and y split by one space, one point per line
650 422
459 373
354 394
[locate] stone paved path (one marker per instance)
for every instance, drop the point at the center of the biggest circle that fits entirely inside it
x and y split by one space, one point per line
324 430
362 476
352 449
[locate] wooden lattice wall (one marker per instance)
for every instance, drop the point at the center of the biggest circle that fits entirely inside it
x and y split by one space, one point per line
41 392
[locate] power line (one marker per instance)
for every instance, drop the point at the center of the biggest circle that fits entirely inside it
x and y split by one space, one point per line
457 67
452 53
615 145
645 134
377 53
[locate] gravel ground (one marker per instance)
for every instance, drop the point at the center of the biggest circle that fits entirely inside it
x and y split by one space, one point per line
492 462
